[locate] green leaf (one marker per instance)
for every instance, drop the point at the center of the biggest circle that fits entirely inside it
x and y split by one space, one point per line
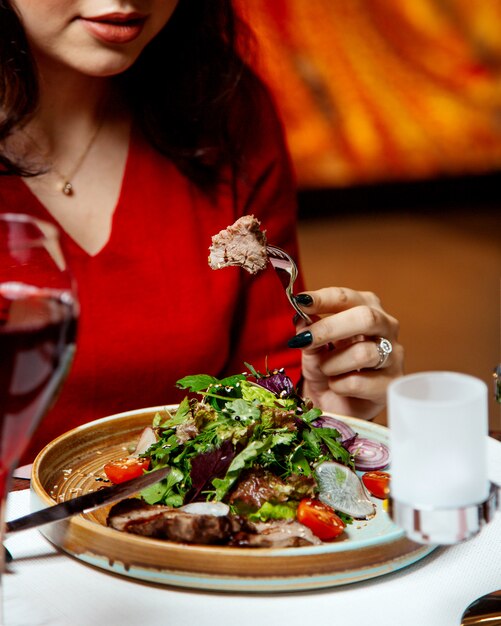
337 450
299 463
285 437
289 404
157 420
164 490
285 510
347 519
311 415
252 370
312 442
252 392
180 416
196 382
242 409
232 381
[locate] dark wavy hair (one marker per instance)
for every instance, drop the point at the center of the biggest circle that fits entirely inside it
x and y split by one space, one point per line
190 89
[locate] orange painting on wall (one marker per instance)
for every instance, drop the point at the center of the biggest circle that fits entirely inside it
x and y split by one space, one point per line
383 90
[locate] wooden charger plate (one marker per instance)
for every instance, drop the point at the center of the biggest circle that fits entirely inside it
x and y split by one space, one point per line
73 464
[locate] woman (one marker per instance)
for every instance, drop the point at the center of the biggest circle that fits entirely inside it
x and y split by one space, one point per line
136 127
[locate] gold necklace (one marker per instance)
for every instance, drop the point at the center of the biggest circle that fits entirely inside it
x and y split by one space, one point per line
65 185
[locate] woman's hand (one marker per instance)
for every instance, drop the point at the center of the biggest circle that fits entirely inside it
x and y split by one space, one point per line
343 369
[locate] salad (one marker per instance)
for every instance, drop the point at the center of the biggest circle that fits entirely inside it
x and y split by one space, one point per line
250 448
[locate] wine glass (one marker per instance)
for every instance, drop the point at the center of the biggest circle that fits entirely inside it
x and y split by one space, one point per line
38 313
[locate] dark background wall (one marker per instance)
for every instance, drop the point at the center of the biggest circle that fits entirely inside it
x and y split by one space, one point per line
431 251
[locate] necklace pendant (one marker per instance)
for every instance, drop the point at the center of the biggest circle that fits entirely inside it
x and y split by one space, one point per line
67 188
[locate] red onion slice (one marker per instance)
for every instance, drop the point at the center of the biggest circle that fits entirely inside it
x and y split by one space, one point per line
369 455
326 421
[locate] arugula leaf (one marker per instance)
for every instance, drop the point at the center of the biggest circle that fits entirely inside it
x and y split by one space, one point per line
312 442
329 437
232 381
311 415
180 415
164 490
252 370
299 463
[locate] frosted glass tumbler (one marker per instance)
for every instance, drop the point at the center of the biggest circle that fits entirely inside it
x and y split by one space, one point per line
438 435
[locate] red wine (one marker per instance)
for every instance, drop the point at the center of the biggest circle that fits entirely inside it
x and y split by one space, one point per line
37 339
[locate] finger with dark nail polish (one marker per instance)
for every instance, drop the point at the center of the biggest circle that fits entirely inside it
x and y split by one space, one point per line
304 299
8 555
301 340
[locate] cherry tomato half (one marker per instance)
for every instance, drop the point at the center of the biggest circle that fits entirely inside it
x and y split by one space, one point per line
320 519
377 483
120 470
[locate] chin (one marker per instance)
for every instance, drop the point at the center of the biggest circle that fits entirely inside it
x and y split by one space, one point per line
105 67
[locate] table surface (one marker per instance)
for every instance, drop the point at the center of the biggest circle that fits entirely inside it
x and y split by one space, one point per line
44 587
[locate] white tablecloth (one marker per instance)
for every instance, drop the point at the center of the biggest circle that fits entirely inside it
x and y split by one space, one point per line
44 587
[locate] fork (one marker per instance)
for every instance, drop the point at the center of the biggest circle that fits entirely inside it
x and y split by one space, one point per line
286 270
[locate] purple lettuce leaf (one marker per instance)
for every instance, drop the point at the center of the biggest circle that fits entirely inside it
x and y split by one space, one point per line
207 466
278 383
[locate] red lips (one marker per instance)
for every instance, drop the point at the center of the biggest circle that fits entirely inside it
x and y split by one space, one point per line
115 28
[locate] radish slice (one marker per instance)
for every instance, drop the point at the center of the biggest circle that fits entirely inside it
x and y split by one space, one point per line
326 421
342 490
147 439
369 455
206 508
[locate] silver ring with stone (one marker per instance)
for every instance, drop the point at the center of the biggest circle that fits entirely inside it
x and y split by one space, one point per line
384 349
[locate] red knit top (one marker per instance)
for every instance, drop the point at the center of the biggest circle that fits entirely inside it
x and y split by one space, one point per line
152 311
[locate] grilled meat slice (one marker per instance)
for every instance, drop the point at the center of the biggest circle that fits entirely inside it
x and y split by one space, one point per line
242 244
257 486
278 534
162 522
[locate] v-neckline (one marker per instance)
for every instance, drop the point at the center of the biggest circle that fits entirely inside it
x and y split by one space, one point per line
121 194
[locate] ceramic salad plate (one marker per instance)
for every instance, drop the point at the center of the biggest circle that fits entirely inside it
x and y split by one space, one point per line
73 464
